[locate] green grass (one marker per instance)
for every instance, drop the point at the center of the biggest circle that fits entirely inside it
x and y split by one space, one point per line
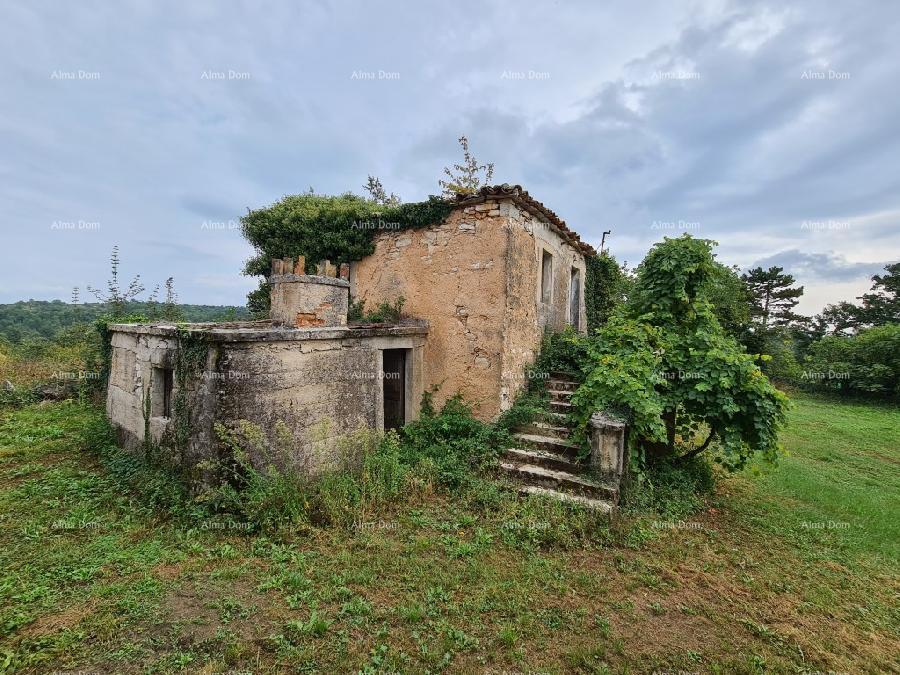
92 578
839 483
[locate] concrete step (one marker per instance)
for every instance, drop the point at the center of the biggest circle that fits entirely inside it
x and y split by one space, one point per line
566 385
560 394
555 444
546 429
561 481
560 406
562 377
558 419
548 460
598 504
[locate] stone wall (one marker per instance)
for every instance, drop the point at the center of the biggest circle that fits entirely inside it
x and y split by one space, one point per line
527 316
476 278
321 390
320 384
134 402
452 274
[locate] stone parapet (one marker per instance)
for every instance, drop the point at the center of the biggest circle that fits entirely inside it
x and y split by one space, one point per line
302 300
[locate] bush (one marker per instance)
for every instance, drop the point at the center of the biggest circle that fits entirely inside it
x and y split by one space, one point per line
605 287
865 364
782 364
562 352
453 441
670 489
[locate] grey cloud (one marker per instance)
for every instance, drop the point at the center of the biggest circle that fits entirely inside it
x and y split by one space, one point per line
822 266
748 150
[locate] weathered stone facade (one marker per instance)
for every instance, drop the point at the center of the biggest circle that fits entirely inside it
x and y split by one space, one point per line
319 384
304 301
483 286
476 278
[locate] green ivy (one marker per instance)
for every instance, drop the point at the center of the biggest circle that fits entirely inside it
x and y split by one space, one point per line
191 353
605 287
320 227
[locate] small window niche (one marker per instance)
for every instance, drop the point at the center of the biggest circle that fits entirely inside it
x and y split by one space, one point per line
547 277
161 392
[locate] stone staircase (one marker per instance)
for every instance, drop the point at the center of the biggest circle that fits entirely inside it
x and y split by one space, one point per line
545 462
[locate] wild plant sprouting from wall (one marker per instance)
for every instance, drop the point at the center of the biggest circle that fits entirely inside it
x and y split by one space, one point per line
116 297
465 179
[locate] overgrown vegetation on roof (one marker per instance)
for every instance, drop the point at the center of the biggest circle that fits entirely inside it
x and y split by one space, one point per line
322 227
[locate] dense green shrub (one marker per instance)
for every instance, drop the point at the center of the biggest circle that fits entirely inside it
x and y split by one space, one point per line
866 364
320 227
452 440
606 285
666 360
565 351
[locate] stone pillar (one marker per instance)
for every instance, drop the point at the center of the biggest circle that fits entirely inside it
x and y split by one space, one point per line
608 444
304 301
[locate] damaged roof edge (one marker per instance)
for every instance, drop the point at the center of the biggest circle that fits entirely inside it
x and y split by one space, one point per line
521 197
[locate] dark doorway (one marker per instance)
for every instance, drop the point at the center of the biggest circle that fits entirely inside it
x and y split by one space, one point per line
394 383
575 299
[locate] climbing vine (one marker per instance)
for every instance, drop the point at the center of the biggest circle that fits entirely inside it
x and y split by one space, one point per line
321 227
605 288
191 351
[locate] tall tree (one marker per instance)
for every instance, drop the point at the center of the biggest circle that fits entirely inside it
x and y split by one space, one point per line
881 305
664 361
730 300
772 296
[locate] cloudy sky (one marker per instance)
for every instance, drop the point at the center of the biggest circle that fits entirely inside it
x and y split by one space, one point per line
769 127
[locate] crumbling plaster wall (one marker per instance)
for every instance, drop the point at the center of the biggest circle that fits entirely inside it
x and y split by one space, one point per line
320 390
527 316
454 275
132 405
476 278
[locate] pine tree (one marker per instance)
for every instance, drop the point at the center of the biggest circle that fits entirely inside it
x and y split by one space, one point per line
881 305
772 296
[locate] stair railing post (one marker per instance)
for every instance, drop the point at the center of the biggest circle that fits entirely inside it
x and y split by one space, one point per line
607 444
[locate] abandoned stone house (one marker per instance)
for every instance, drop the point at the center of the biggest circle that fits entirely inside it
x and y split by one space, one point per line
481 287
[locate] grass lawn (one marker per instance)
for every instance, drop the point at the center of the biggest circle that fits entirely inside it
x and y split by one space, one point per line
791 569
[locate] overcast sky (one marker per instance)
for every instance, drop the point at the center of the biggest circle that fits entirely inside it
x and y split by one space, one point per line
769 127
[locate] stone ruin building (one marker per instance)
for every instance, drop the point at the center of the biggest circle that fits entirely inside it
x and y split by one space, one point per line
483 286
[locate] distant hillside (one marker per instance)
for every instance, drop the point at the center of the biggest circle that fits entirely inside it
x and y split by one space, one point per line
41 318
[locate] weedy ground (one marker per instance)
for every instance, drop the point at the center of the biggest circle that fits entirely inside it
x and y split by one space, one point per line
787 569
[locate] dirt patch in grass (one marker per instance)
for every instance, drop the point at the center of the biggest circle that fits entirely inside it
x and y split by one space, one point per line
48 624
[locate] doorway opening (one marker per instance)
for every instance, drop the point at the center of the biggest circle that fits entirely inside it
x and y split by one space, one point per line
575 299
393 381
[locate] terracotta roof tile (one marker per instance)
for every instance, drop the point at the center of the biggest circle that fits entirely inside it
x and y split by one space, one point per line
521 197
